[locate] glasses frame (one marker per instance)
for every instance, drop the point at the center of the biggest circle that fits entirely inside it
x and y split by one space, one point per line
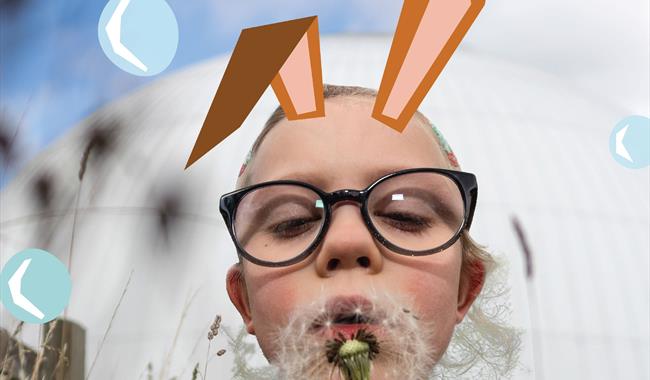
465 181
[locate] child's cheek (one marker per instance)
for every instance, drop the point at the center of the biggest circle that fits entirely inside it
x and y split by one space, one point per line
274 301
434 296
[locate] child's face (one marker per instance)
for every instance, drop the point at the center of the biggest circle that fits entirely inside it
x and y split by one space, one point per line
348 149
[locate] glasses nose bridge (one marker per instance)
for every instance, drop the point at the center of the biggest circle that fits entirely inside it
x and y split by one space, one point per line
346 195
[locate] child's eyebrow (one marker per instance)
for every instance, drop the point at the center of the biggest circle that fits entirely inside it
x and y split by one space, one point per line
322 181
377 173
311 178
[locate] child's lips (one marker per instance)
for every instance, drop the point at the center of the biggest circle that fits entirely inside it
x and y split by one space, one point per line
348 330
346 315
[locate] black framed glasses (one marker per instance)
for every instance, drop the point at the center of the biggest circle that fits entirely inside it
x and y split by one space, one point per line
413 212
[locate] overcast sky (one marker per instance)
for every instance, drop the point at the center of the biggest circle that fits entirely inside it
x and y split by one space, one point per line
54 72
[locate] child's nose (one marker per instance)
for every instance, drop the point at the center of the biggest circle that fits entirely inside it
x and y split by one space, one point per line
348 244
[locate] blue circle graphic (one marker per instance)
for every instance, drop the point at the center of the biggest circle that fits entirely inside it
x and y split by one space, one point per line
35 286
629 142
139 36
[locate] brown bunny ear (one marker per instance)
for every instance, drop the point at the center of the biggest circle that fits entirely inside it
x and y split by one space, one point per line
428 33
285 55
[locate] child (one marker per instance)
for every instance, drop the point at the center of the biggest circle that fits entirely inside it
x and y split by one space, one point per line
396 263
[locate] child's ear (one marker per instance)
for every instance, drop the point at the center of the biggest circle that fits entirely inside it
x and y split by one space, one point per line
236 286
471 282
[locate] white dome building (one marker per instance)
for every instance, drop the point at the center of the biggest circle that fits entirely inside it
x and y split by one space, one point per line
539 150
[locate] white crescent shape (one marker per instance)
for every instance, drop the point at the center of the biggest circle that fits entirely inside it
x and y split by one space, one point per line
620 148
15 285
114 33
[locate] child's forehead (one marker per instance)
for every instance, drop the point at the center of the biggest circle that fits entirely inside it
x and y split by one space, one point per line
336 129
360 103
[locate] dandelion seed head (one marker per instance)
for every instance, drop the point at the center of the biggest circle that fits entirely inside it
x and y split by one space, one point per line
484 345
405 344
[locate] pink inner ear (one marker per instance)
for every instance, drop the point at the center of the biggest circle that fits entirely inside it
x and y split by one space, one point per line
297 76
440 19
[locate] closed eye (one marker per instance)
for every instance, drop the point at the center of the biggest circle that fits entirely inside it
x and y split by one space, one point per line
406 222
293 227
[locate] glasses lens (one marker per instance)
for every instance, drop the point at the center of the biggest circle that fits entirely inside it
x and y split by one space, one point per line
417 211
277 223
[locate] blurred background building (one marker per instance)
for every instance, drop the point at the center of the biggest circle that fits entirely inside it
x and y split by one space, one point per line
528 104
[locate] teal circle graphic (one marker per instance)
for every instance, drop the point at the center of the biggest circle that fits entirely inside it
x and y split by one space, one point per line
35 286
139 36
629 142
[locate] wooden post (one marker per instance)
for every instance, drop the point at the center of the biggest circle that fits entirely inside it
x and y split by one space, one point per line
64 353
14 356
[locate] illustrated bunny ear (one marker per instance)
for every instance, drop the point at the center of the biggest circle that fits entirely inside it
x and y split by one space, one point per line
428 33
285 55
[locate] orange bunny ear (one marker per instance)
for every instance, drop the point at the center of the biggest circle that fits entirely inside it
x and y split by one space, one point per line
428 33
285 55
299 84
